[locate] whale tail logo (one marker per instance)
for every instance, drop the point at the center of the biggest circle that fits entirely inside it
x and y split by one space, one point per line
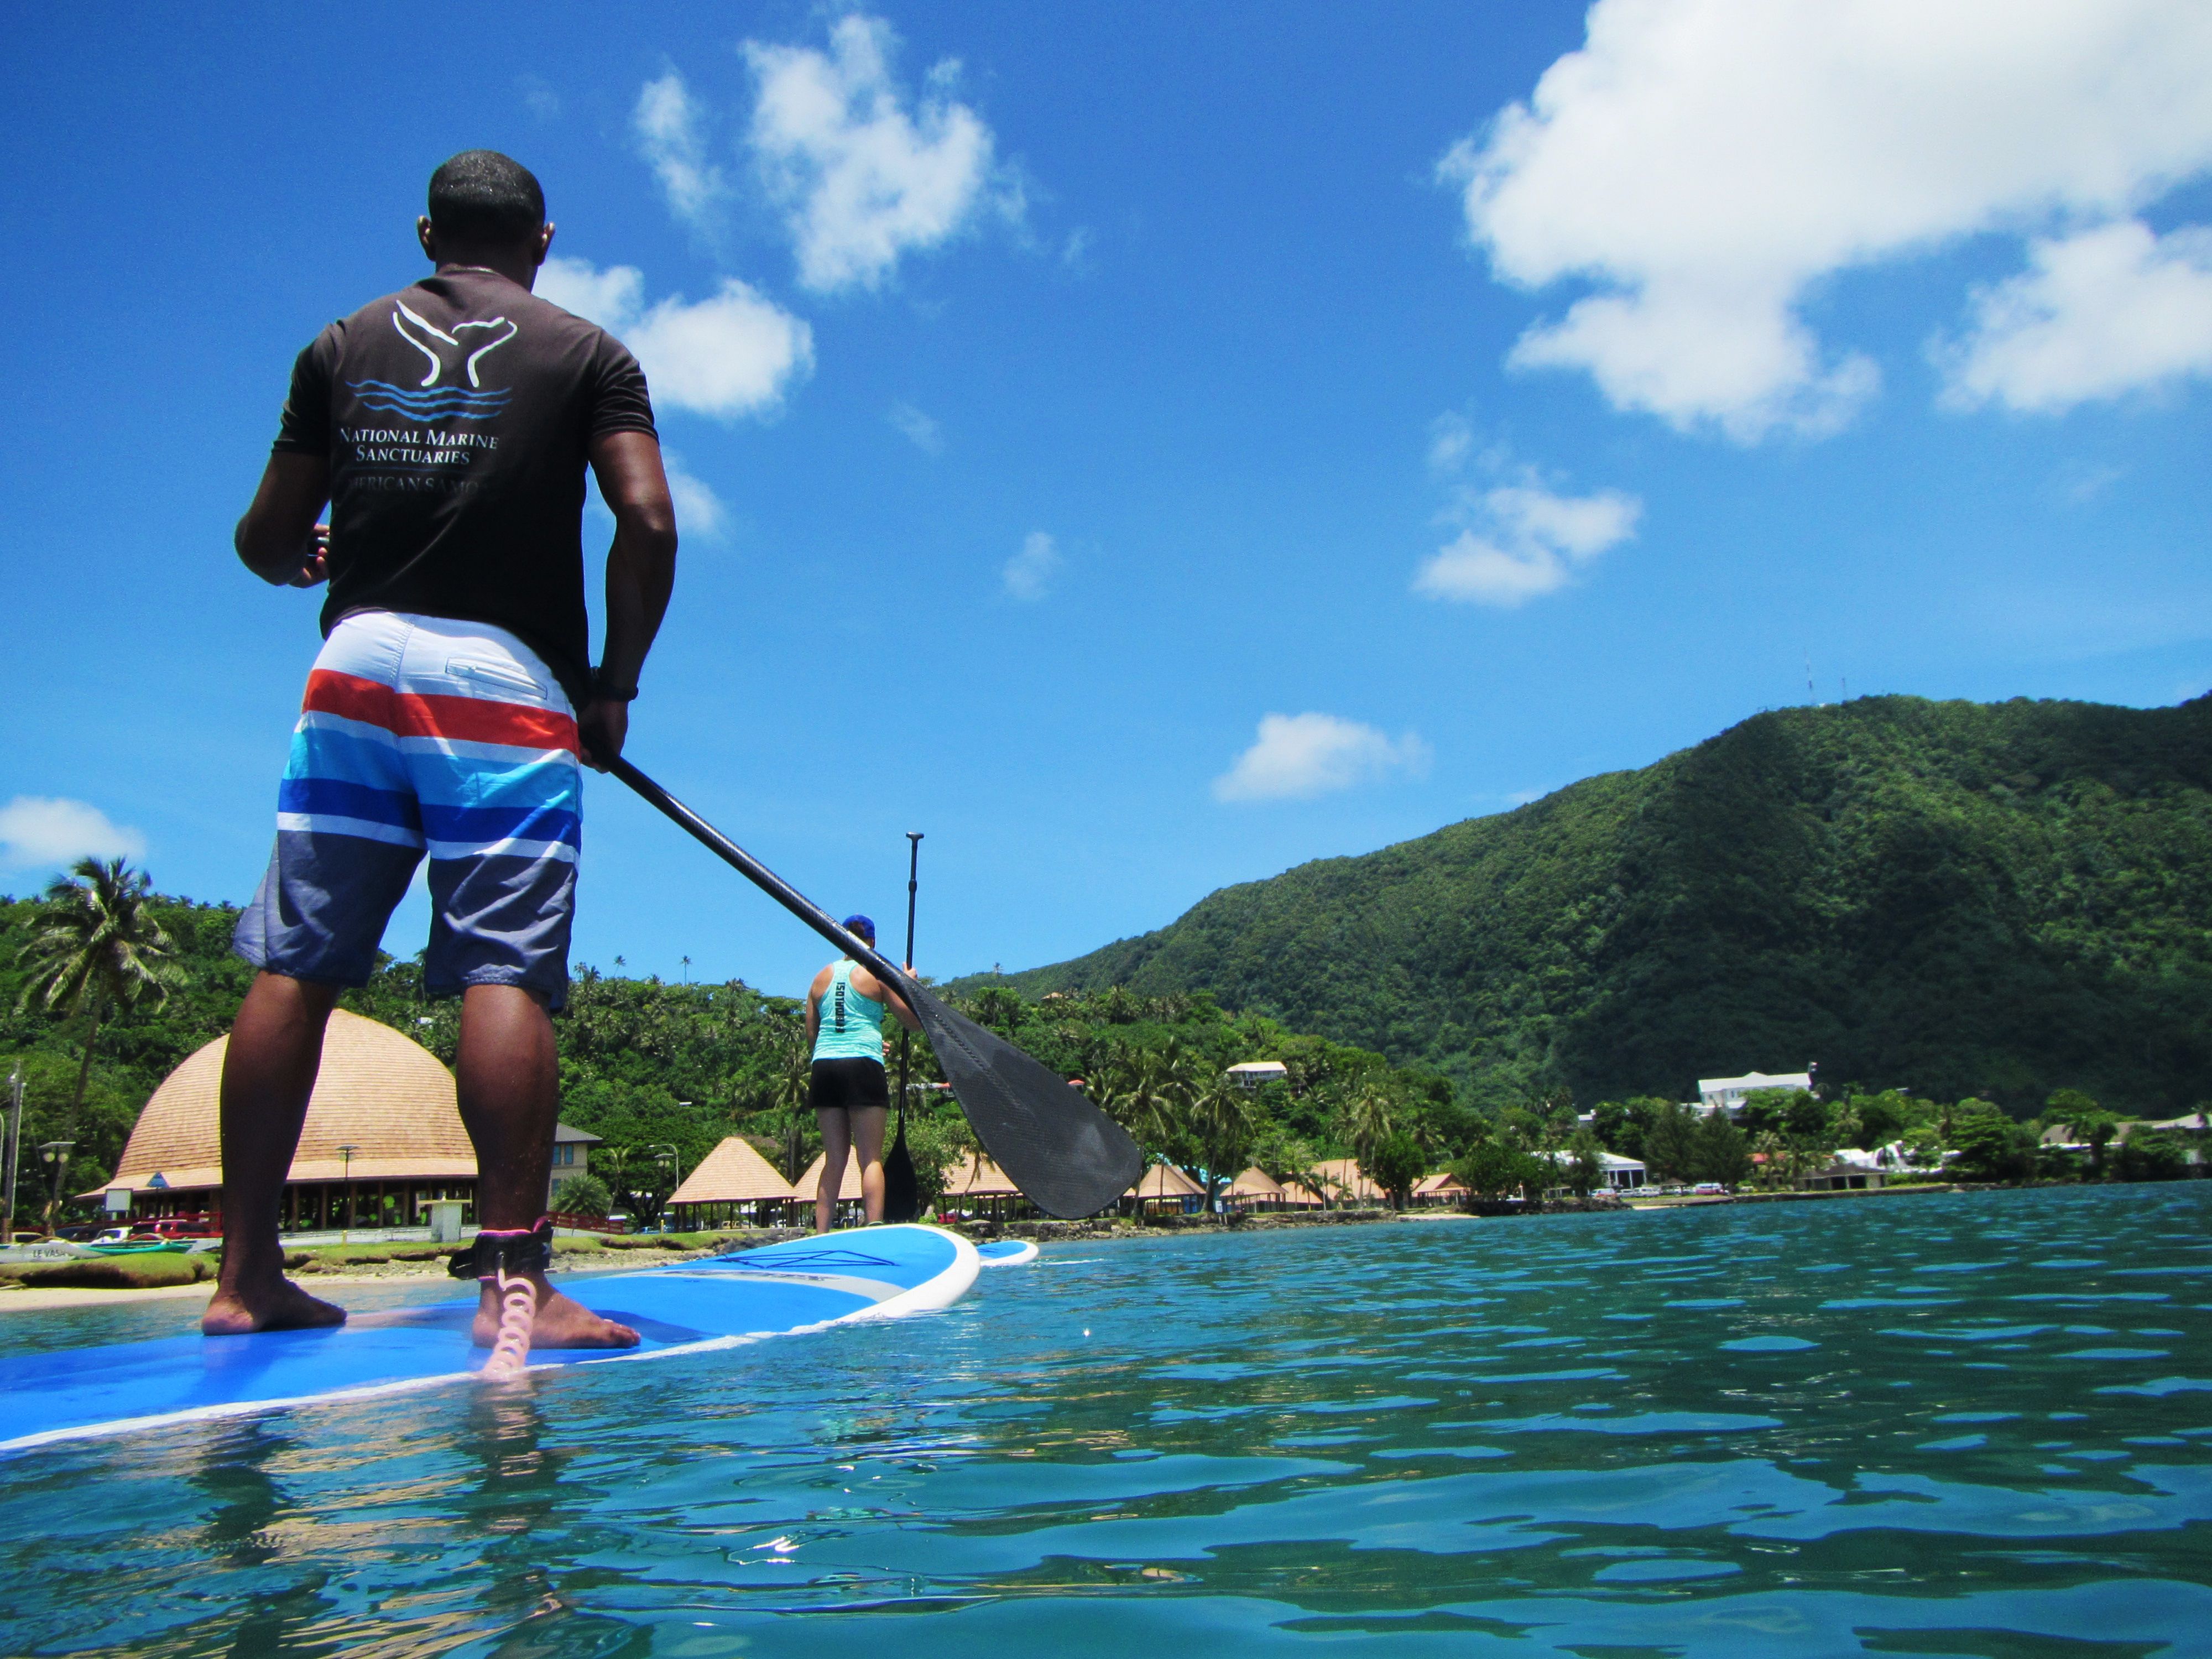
428 399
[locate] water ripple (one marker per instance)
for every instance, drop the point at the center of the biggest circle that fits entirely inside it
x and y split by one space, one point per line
1773 1443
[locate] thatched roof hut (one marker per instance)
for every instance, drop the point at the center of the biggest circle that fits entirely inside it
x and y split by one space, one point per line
1164 1181
1347 1181
733 1173
810 1183
977 1176
1254 1190
378 1092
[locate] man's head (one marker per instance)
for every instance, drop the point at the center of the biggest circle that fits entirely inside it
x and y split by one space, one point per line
486 209
862 928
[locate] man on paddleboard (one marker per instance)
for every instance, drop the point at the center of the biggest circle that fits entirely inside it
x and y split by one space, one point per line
447 427
845 1084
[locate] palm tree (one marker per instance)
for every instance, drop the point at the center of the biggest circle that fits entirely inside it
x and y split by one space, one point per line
1001 1009
96 950
1367 1120
1295 1160
1222 1119
1159 1088
793 1090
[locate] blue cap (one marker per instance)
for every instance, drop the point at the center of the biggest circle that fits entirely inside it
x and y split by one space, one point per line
862 926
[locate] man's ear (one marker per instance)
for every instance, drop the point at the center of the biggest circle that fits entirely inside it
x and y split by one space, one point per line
545 242
424 234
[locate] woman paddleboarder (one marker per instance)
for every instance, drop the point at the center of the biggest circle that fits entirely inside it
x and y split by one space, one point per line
845 1084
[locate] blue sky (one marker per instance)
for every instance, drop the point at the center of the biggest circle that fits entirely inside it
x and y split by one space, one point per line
1146 448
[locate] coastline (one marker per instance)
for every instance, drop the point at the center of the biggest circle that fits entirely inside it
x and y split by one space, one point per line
600 1258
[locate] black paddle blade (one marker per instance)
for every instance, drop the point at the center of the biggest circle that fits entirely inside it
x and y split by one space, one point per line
1068 1157
902 1192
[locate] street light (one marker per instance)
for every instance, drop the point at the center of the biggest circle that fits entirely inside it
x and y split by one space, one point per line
345 1162
55 1155
663 1152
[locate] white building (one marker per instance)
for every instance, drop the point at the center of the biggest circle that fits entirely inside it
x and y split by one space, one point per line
1728 1094
1622 1175
1252 1074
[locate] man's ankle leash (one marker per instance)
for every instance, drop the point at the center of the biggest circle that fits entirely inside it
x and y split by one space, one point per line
510 1250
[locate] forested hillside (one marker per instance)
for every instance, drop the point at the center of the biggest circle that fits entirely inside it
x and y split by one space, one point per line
1955 898
645 1064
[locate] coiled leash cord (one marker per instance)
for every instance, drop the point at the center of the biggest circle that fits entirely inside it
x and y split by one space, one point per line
502 1256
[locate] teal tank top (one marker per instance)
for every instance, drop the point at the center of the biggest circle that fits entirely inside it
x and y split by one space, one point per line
850 1026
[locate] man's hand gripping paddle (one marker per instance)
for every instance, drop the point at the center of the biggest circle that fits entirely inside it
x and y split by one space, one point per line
1068 1157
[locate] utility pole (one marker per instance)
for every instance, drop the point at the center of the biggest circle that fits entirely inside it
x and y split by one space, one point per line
13 1151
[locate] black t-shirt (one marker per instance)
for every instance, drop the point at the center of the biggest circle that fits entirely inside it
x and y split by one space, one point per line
455 416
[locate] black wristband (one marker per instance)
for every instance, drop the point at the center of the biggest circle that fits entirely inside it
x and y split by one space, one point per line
603 690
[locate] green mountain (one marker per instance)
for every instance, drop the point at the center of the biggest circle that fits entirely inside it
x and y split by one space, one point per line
1956 898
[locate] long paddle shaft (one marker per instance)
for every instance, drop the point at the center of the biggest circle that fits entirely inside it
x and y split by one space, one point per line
761 876
1067 1155
913 881
901 1191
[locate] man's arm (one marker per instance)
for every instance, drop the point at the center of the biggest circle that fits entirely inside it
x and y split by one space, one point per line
640 575
277 538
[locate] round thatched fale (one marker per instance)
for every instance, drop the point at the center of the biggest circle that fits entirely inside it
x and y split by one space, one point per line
378 1092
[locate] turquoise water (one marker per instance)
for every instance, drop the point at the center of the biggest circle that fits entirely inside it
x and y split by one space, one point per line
1977 1425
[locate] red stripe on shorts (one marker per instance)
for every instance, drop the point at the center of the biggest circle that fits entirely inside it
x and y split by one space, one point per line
415 715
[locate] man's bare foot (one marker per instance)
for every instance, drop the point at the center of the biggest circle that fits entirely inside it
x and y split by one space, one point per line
283 1306
560 1323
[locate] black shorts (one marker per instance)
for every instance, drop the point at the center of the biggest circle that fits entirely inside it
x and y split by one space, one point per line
842 1086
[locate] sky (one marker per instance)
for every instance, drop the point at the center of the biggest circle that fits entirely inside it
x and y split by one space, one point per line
1141 448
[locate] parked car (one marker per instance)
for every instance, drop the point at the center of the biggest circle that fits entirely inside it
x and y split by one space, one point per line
178 1226
111 1235
1710 1187
27 1238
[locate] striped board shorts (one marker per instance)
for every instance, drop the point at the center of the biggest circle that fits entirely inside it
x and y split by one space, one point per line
422 734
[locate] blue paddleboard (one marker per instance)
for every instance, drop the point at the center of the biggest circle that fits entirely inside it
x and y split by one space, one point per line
1006 1251
875 1272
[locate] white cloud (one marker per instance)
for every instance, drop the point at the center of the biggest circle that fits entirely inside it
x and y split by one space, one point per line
860 177
1705 163
1451 440
2098 314
733 353
2081 481
1297 757
668 130
37 830
1525 540
538 94
923 433
699 510
1028 574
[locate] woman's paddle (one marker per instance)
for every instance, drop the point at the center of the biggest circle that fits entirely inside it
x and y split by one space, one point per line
902 1192
1068 1157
